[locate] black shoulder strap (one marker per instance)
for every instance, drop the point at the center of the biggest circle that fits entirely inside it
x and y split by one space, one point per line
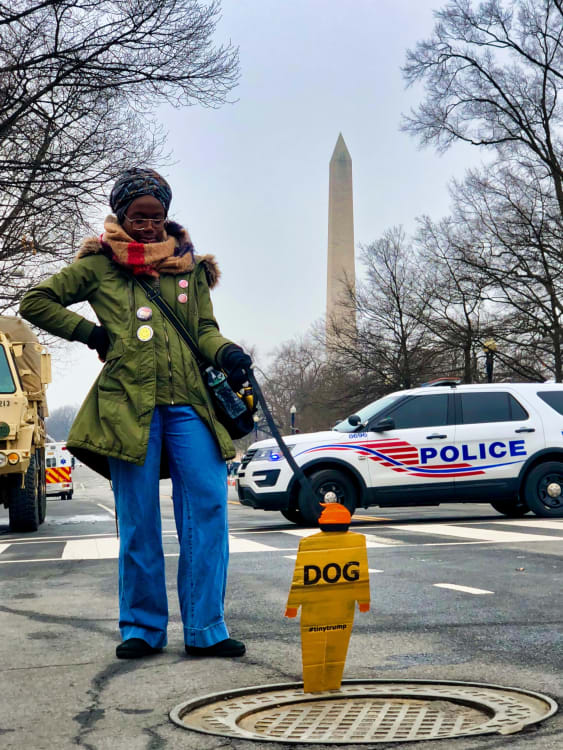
155 296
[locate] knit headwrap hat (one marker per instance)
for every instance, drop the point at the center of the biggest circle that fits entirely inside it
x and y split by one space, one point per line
135 182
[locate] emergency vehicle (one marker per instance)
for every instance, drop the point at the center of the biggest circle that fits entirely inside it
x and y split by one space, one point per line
58 470
499 443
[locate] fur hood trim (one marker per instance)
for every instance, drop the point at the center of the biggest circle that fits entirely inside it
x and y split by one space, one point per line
94 245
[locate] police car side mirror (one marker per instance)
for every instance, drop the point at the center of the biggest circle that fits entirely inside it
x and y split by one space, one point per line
384 424
354 420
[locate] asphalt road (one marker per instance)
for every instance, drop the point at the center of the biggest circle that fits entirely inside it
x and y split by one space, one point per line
458 593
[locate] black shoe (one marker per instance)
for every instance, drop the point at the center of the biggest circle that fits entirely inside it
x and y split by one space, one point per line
135 648
228 647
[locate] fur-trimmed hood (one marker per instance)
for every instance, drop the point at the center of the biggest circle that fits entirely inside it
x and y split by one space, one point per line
94 245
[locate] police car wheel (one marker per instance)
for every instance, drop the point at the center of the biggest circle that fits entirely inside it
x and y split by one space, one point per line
294 515
511 508
326 480
42 500
543 490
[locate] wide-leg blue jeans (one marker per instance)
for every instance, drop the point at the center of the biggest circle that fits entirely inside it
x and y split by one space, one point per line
199 495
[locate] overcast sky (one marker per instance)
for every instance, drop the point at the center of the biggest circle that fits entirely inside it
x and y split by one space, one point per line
250 180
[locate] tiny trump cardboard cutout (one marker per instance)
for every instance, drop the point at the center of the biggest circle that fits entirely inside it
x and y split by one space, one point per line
331 575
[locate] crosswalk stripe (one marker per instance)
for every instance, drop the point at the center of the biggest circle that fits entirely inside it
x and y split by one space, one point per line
100 547
91 549
466 532
237 544
371 539
540 523
381 541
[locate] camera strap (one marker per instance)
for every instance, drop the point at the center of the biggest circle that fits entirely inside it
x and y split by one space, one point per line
154 295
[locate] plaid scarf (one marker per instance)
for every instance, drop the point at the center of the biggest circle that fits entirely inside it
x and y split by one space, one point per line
168 256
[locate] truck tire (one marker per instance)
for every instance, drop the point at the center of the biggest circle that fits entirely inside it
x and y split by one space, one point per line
511 508
24 501
40 457
543 489
326 480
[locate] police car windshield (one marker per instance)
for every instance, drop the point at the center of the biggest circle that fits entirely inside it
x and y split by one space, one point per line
367 413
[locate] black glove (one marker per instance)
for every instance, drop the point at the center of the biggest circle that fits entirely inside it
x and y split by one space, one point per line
99 340
236 364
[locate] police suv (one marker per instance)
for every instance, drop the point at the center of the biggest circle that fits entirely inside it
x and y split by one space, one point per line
500 443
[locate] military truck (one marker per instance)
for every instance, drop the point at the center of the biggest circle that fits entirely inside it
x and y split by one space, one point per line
25 370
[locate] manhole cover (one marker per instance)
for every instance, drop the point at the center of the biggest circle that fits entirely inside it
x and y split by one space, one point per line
365 711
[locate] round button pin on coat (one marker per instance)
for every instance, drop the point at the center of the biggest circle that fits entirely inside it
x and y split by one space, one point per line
144 313
182 298
183 283
145 333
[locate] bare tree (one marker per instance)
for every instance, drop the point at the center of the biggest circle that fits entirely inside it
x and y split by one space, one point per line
297 377
79 83
509 237
492 73
60 420
454 308
391 344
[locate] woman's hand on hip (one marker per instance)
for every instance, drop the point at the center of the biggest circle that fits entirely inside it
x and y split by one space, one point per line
99 340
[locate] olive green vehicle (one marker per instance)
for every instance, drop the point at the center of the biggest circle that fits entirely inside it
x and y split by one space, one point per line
25 370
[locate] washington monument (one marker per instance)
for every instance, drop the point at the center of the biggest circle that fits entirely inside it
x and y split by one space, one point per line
340 267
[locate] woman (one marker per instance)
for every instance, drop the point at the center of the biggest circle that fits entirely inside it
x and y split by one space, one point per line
148 414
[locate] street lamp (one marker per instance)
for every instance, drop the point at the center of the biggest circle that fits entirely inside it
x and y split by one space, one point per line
292 412
489 347
256 419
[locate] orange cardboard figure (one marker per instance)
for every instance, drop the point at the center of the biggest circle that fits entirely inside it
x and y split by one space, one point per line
331 575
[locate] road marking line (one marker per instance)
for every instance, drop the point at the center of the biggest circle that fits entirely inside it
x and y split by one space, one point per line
32 560
374 570
3 547
368 518
54 539
465 532
290 557
109 510
464 589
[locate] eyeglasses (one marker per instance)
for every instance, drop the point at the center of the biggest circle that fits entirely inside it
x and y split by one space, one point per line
144 223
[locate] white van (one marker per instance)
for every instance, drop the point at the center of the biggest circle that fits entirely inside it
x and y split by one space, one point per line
58 470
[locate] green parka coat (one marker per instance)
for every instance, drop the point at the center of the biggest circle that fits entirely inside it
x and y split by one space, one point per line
115 417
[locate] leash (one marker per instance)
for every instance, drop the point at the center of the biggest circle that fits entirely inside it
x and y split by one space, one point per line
297 470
